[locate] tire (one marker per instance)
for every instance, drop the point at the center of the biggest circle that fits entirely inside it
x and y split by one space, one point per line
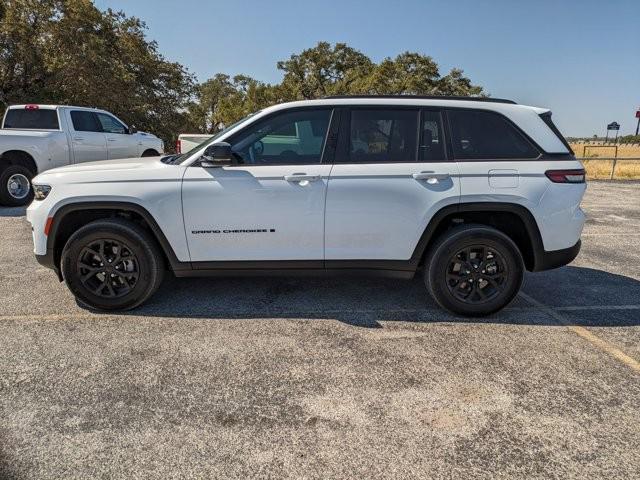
493 261
150 153
135 265
12 185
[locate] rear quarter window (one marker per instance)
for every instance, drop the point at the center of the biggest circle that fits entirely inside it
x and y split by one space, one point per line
40 119
482 135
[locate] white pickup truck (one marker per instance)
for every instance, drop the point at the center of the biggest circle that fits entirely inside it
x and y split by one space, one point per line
35 138
188 141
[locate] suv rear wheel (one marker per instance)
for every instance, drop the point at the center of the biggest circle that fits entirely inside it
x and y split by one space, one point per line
474 270
112 264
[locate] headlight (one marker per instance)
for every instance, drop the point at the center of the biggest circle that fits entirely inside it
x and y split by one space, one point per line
40 192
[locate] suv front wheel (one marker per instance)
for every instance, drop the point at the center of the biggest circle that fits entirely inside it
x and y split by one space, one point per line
474 270
112 264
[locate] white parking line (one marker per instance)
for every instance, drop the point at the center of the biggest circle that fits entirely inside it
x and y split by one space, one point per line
596 341
577 308
619 234
310 313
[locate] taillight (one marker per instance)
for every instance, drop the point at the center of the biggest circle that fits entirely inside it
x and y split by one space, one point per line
576 175
178 146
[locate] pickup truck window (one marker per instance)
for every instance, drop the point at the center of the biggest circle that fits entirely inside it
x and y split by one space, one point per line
110 124
37 119
85 121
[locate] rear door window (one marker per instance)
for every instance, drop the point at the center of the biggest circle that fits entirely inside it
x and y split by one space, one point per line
382 136
85 121
35 119
479 135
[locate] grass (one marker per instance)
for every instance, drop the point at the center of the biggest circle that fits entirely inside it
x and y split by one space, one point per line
599 169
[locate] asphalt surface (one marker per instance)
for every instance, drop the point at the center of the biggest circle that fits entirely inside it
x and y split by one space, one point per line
327 378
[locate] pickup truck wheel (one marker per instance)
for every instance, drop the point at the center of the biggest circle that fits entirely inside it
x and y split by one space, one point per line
150 153
474 270
112 264
15 186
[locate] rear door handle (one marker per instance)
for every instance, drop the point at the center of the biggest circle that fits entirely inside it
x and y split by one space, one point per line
78 139
301 177
111 139
430 177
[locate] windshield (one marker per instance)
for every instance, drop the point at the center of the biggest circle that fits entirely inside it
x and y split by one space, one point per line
184 156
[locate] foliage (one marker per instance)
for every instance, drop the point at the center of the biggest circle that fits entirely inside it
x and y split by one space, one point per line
322 71
70 52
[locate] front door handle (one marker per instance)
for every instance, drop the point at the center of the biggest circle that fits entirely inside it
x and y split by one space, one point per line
430 177
301 177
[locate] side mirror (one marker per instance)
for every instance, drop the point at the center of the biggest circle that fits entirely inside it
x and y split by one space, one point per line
217 155
132 129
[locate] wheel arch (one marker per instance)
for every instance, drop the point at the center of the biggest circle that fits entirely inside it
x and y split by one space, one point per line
69 217
514 220
150 152
19 157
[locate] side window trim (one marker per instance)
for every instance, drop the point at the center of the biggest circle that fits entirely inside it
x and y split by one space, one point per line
448 152
344 136
509 122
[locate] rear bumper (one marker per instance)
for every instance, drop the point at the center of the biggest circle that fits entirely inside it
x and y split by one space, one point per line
546 260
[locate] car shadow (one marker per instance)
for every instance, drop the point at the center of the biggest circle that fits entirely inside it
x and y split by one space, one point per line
13 211
585 296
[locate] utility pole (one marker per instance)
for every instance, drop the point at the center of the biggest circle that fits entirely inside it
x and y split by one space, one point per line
638 117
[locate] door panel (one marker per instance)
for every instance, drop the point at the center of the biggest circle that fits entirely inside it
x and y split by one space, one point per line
390 178
379 211
120 144
270 204
87 140
254 213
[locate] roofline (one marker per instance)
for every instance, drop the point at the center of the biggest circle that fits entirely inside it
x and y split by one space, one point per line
427 97
52 106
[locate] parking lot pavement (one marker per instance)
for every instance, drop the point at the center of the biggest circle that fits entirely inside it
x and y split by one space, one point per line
328 378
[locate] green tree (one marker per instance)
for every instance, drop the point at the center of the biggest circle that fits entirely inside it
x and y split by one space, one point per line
70 52
324 70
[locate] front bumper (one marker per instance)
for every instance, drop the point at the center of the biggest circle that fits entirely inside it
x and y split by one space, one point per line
546 260
48 260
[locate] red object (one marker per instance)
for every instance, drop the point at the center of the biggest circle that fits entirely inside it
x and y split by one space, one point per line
47 226
566 176
31 107
178 146
638 114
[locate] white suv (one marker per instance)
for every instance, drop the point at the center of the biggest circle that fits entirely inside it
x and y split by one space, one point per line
471 192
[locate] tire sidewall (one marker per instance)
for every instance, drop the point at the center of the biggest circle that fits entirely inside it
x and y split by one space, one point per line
146 265
5 197
453 243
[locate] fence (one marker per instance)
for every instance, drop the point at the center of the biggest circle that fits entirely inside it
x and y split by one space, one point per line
608 167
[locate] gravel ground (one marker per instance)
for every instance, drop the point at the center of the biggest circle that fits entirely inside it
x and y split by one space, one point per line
327 378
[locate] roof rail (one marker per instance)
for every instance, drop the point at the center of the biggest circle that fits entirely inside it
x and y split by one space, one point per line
429 97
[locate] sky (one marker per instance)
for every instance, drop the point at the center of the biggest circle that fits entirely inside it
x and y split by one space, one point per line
580 58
